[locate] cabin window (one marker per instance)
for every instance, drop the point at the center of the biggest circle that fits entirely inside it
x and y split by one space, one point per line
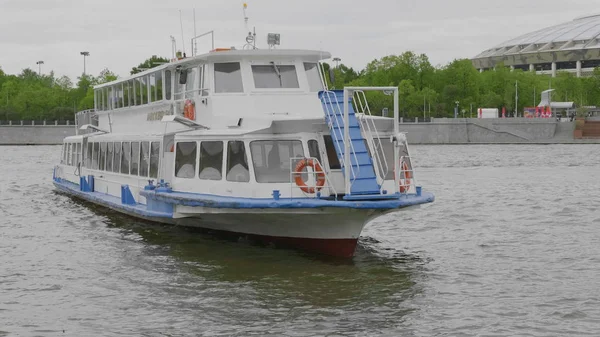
275 76
313 77
112 98
78 162
88 155
154 157
101 99
211 160
102 161
144 159
95 150
62 155
117 157
138 90
135 158
159 86
68 154
334 162
313 150
125 157
185 160
168 84
119 95
228 77
105 99
179 88
203 81
152 85
126 95
109 156
272 159
237 163
190 84
145 82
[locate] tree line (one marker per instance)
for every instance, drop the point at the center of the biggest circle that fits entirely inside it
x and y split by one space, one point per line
424 89
33 96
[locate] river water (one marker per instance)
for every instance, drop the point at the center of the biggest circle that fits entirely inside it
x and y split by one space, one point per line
510 247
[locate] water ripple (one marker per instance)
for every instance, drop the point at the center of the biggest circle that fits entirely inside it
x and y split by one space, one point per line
510 247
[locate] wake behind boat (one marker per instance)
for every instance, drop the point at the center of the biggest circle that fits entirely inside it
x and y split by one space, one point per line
245 141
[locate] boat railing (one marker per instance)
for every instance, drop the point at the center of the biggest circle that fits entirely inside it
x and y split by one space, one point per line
362 106
336 125
83 117
301 169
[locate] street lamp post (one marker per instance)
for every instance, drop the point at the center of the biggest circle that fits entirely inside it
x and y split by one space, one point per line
39 63
456 109
84 53
337 61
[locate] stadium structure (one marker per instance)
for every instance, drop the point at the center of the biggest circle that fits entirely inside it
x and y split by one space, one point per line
571 46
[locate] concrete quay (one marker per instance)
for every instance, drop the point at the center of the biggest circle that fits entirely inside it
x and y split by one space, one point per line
28 134
437 131
493 131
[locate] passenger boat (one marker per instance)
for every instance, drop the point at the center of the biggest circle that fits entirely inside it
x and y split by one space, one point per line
248 141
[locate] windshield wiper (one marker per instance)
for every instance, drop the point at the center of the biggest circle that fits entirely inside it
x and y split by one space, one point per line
278 73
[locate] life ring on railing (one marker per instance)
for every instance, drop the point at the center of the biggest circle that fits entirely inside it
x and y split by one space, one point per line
302 164
405 182
189 110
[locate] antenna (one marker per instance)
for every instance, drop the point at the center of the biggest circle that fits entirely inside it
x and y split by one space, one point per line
251 37
245 16
195 45
182 39
173 46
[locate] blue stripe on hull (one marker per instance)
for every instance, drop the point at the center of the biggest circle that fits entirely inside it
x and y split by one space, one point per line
160 204
111 201
214 201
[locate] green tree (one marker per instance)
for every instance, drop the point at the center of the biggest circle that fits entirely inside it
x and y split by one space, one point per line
152 62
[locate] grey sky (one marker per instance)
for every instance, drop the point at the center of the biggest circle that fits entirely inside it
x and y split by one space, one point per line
121 34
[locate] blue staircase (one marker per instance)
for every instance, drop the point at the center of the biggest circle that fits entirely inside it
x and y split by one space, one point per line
362 172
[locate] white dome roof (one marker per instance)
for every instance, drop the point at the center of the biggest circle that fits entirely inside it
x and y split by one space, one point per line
581 33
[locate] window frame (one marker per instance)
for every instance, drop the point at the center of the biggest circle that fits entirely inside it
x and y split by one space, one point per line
175 168
265 170
242 80
223 167
247 157
279 64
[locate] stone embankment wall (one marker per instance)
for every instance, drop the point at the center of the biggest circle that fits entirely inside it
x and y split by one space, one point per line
438 131
492 131
34 134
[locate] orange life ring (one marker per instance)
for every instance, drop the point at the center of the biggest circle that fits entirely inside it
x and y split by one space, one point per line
405 183
189 110
298 175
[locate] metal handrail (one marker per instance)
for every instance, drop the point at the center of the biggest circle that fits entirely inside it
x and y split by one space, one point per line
322 73
311 182
339 133
362 102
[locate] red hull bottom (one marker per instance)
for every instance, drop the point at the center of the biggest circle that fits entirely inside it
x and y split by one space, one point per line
332 247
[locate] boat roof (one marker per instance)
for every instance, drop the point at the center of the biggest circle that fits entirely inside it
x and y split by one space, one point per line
232 55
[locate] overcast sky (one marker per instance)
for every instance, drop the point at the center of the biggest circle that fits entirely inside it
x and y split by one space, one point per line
121 34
